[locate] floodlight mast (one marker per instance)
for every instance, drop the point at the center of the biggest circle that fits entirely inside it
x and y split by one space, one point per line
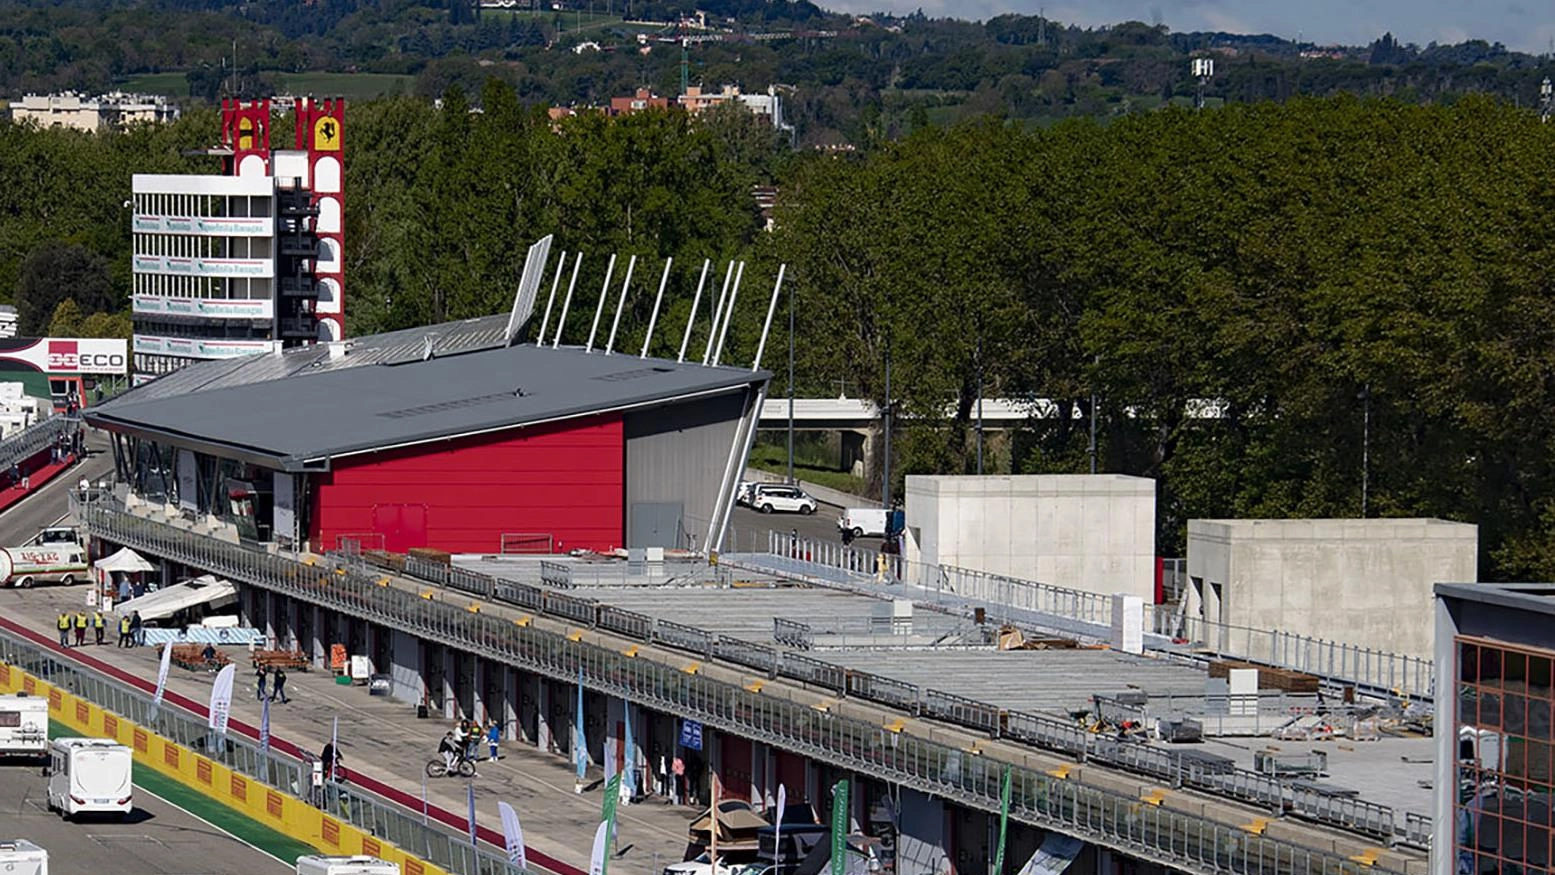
1546 100
1203 69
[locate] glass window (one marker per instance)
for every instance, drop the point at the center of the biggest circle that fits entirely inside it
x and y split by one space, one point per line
1539 676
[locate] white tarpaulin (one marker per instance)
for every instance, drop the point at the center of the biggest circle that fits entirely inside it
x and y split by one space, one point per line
170 600
1054 856
124 560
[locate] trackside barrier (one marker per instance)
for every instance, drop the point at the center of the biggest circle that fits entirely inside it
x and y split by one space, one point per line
240 778
1181 839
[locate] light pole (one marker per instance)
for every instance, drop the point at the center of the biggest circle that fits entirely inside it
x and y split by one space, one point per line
1203 69
979 394
1093 420
885 483
1365 450
791 293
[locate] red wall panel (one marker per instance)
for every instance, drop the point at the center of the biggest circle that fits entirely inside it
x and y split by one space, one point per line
564 479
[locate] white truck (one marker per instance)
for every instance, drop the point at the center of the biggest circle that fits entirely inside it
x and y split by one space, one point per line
314 865
24 726
863 522
90 775
54 556
21 857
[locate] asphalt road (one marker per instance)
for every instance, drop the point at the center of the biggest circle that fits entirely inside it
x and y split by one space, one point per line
48 503
158 838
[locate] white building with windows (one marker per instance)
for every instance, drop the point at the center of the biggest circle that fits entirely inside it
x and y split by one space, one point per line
73 110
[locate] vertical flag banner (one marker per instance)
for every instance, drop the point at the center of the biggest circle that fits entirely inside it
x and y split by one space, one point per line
334 748
597 859
264 727
777 825
1004 823
839 828
221 698
471 788
629 754
580 743
512 835
156 701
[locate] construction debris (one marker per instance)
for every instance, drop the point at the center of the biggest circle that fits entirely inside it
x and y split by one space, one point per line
1268 678
1011 638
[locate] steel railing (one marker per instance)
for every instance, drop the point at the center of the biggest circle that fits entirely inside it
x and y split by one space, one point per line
278 769
1096 814
1090 614
34 439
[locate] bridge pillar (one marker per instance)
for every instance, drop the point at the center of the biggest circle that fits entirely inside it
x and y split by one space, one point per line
858 452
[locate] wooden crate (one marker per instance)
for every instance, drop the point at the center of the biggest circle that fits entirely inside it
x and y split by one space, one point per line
430 554
1268 678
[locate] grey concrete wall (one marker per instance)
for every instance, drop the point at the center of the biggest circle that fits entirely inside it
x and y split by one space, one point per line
1362 582
677 454
405 670
1088 532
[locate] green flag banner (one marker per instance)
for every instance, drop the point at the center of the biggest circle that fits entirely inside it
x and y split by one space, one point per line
839 828
607 814
1004 823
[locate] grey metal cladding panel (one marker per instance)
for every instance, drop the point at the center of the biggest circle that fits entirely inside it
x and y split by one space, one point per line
333 412
678 453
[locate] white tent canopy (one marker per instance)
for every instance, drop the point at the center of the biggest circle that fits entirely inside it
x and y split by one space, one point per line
124 560
166 602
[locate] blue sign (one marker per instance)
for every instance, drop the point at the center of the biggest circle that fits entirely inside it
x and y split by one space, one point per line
691 734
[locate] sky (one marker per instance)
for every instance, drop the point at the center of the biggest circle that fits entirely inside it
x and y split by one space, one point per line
1524 25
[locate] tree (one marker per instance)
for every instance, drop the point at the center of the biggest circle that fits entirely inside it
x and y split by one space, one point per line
54 272
66 321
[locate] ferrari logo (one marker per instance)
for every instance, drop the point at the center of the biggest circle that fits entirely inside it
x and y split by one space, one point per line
326 134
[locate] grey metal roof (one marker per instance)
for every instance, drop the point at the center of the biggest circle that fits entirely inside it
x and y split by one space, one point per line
279 410
1536 597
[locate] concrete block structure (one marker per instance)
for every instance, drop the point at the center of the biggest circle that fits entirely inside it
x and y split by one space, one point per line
1094 533
1365 582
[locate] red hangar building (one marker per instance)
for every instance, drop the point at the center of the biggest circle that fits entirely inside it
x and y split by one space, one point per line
444 437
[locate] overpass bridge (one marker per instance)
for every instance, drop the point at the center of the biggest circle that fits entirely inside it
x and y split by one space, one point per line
817 414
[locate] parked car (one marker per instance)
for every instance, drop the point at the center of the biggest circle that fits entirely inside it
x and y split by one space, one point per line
770 497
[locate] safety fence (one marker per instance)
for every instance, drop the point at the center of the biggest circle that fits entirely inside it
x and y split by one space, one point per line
273 788
34 439
1181 839
545 573
1008 599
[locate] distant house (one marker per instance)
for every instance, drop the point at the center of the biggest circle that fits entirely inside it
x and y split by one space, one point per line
643 99
768 105
71 110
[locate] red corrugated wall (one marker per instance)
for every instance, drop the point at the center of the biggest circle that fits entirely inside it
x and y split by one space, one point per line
565 479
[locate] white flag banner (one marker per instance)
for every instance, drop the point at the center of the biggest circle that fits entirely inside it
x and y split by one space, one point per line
777 825
512 834
601 838
264 727
221 698
167 660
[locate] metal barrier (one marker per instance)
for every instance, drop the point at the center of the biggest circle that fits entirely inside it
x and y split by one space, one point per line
34 439
1179 839
792 634
449 850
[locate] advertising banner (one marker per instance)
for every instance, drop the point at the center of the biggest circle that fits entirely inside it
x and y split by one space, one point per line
214 267
68 355
201 349
839 828
206 226
210 308
512 835
221 698
156 700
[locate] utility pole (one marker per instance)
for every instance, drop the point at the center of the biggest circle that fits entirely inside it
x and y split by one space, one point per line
885 483
1093 419
1365 450
979 395
791 288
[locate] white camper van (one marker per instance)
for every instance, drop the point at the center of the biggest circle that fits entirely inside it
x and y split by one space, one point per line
21 857
312 865
90 775
24 726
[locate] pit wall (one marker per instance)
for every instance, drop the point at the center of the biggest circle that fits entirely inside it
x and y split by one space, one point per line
279 811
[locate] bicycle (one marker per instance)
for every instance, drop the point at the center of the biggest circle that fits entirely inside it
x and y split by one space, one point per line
438 768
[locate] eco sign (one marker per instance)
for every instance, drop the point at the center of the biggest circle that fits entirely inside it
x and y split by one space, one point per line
58 355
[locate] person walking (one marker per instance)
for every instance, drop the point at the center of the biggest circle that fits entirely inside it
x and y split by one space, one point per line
99 625
278 694
64 629
259 681
125 638
81 628
137 630
493 737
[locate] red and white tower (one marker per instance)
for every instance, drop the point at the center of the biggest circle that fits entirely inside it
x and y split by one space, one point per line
320 133
245 129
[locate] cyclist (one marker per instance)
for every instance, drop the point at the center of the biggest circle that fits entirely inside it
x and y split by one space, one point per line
449 747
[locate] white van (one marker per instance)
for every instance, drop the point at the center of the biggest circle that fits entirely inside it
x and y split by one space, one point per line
313 865
90 775
863 522
24 726
21 857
